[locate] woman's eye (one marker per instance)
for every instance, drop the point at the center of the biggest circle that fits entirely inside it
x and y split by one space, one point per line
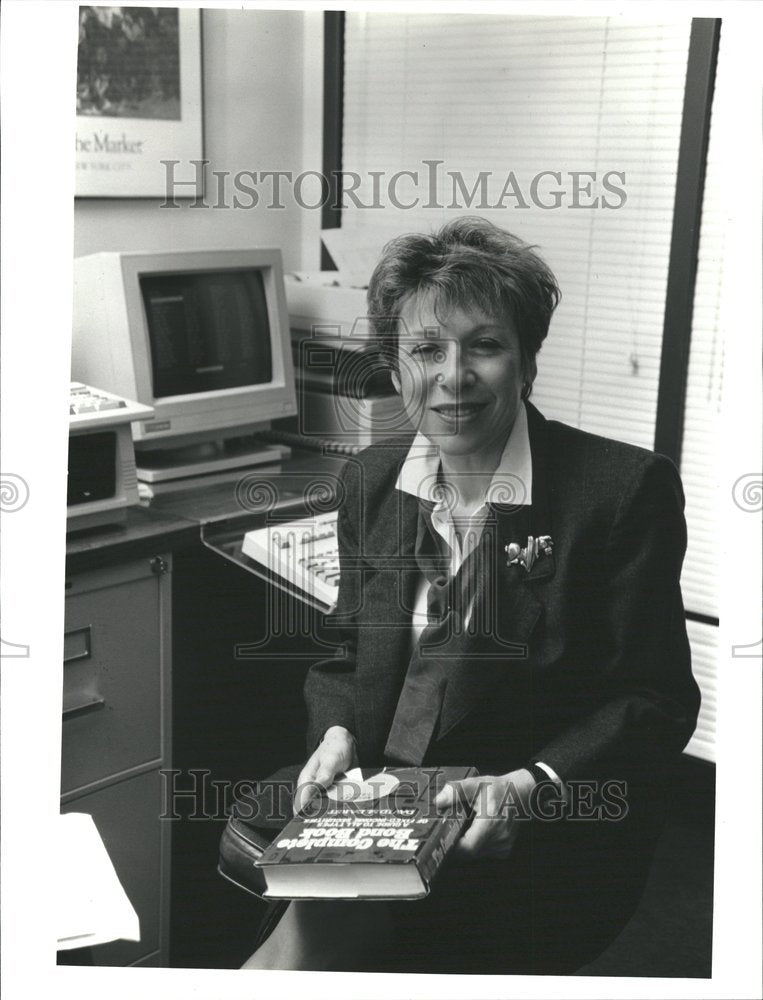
486 344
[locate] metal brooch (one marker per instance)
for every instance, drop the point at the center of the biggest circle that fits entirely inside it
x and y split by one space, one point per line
543 545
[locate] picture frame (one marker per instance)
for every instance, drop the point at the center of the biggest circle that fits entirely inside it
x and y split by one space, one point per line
139 102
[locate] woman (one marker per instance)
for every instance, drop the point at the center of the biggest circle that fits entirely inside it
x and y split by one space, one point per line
545 563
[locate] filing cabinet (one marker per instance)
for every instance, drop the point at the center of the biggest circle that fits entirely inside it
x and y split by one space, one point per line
116 734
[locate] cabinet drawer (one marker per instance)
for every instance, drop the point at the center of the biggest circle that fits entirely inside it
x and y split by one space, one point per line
127 817
112 684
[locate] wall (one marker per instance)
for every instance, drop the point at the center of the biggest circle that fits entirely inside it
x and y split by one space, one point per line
254 87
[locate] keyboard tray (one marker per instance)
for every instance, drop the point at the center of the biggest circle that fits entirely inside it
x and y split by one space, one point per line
227 540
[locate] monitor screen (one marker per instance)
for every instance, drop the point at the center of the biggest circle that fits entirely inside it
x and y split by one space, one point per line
208 330
201 336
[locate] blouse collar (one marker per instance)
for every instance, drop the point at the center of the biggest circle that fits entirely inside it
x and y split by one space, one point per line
511 482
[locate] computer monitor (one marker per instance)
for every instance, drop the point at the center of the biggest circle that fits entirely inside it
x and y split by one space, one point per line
200 336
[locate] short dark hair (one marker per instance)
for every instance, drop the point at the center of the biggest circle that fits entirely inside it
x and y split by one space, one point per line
468 263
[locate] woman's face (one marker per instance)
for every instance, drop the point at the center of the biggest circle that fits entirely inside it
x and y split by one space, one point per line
460 377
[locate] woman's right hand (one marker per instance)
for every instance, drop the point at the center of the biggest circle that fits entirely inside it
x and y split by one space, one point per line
333 755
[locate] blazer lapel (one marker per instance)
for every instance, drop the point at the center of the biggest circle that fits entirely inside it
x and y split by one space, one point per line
388 593
507 605
390 532
540 511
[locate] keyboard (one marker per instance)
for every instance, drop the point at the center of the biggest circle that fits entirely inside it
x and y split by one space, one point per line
303 552
96 406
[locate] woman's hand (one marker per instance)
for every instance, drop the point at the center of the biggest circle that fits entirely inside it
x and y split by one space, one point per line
498 803
333 755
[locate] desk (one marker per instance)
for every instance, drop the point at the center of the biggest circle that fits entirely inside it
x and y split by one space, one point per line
231 679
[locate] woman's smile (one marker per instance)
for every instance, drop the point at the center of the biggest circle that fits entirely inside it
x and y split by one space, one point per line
458 414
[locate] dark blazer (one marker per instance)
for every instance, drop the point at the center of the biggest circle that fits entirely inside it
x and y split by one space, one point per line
585 664
582 663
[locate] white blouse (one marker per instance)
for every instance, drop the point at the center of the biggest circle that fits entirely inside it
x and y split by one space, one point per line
511 483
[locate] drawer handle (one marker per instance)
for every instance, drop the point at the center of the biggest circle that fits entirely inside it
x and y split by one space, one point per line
79 703
79 699
77 644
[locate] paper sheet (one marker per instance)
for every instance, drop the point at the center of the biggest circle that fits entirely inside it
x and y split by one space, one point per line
353 787
91 905
355 253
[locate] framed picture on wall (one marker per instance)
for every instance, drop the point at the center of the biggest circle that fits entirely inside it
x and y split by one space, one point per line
139 102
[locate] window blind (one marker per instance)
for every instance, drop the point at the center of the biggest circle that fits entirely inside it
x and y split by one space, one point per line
702 415
496 96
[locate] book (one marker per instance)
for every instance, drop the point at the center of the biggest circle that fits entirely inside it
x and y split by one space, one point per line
372 835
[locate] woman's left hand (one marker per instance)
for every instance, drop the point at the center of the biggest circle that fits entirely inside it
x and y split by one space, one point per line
498 803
